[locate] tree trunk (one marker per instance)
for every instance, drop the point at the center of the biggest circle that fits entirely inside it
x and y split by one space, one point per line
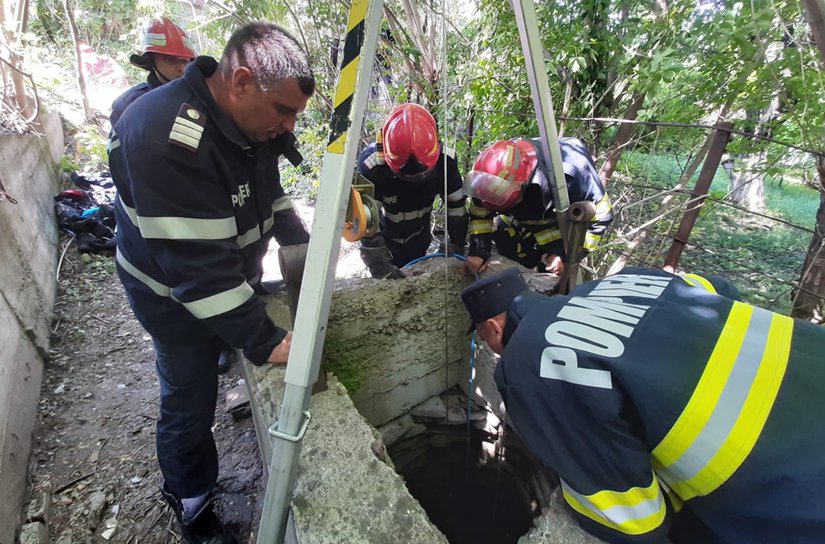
747 183
81 78
815 13
622 137
809 299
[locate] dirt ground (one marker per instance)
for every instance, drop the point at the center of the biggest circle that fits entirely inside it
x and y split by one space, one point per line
93 452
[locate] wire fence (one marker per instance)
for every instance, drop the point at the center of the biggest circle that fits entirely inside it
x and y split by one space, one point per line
766 242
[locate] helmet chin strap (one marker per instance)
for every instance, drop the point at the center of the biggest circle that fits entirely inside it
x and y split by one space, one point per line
163 79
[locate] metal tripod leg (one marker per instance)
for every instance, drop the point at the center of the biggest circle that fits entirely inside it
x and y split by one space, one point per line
579 215
292 260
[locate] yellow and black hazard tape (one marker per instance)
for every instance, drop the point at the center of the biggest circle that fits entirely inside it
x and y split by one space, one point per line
346 82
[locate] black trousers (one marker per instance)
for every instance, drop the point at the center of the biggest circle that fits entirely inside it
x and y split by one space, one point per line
187 356
410 250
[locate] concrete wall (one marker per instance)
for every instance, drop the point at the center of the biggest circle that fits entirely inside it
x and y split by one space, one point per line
28 253
386 339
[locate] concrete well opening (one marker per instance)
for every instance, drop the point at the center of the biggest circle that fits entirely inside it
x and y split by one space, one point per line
475 480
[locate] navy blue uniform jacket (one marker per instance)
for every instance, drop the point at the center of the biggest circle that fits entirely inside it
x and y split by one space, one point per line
197 207
671 411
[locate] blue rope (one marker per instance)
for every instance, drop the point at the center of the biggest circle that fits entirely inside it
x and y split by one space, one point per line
458 256
471 380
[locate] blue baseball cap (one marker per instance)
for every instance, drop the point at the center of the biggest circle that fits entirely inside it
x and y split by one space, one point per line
492 295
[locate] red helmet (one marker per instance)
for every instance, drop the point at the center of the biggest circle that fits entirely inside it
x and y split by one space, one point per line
163 37
500 173
410 140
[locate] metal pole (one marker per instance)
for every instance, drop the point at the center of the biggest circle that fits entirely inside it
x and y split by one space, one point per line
718 143
349 105
528 26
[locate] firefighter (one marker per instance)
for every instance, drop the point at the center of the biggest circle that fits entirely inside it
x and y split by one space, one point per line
666 409
195 163
406 165
164 53
512 203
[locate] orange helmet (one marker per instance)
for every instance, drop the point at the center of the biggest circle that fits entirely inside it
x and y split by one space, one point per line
163 37
410 141
500 173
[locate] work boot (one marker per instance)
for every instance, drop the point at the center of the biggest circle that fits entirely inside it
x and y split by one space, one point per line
201 525
228 357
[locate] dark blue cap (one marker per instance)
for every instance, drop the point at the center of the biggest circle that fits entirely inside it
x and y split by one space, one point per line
493 294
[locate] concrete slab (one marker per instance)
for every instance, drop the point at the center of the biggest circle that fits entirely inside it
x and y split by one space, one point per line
343 492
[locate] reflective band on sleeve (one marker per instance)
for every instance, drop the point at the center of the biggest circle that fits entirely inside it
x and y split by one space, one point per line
479 211
114 143
407 216
220 303
698 281
456 212
281 204
603 207
130 212
268 224
481 226
636 511
591 241
187 228
455 196
727 411
154 285
249 237
546 236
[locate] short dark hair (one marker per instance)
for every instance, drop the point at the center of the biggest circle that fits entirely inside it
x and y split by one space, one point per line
270 53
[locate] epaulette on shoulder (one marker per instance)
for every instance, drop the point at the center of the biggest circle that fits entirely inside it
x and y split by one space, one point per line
374 160
188 128
450 152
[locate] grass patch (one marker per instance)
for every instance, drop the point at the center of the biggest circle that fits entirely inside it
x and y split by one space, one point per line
757 254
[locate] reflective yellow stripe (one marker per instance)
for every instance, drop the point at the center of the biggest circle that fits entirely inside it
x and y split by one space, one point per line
727 411
357 13
220 303
481 226
156 286
603 207
479 211
281 204
346 82
698 281
591 241
546 236
636 511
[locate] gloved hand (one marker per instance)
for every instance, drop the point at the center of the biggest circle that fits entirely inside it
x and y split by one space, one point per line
376 256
